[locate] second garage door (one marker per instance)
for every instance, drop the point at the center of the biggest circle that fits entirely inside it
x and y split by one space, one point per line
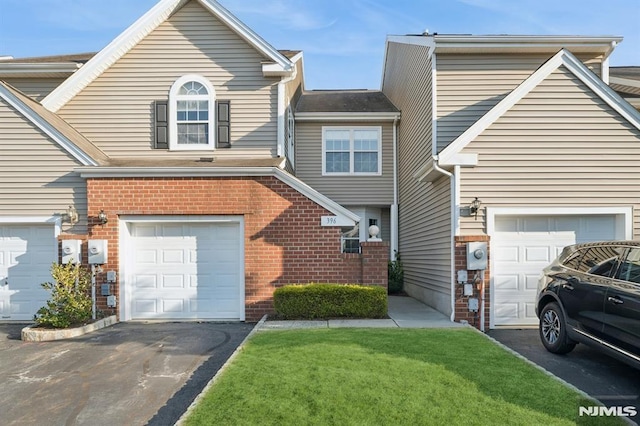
186 271
524 245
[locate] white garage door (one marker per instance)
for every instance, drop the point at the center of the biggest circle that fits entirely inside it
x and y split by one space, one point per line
186 271
26 255
524 245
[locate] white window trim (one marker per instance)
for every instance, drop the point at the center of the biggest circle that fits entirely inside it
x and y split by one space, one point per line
351 172
173 114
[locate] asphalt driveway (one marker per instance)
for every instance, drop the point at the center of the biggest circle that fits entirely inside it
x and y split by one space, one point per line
127 374
600 376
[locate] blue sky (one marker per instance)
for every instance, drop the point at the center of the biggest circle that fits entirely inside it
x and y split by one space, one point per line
343 40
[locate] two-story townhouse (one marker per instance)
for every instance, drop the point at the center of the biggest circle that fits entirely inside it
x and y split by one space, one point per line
513 143
346 149
169 152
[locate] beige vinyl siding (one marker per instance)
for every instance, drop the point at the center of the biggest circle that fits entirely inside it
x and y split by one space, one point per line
385 225
470 85
424 209
37 88
115 111
346 190
561 145
293 90
36 175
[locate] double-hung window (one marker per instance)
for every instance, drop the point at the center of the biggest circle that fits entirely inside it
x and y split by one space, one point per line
192 107
351 150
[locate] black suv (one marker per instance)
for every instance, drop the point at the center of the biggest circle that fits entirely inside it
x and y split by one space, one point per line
591 294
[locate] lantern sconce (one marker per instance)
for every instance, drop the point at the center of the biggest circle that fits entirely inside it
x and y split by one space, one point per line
474 207
102 217
71 215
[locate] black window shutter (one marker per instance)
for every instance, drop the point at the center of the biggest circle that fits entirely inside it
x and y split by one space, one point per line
161 124
223 119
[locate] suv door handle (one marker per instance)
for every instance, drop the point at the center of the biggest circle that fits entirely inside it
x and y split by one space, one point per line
615 300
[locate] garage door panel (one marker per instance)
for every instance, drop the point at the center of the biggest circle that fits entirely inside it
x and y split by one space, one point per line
26 255
523 246
173 281
145 281
197 267
173 256
537 254
531 281
506 253
506 282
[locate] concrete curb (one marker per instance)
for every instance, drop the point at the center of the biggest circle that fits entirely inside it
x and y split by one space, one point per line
181 421
32 333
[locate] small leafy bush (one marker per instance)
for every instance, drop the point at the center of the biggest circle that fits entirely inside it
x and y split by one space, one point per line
396 275
321 301
70 302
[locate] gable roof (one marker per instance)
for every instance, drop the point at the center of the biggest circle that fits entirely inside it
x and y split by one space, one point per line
68 138
143 27
451 154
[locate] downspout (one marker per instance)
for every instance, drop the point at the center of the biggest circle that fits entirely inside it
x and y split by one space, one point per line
454 203
394 206
604 67
282 106
452 176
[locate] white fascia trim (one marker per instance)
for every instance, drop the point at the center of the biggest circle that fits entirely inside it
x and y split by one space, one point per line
139 30
55 221
418 40
460 159
46 68
295 183
563 57
132 172
316 196
110 54
450 43
627 212
347 116
624 81
247 34
605 92
47 128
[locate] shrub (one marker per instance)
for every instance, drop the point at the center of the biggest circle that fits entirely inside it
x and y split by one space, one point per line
70 302
396 275
321 301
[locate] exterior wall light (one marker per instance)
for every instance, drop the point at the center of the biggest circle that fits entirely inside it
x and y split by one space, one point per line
72 215
474 207
102 217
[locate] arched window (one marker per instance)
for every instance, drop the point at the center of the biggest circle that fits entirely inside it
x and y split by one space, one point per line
192 105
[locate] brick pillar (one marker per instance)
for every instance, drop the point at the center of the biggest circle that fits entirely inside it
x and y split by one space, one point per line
462 312
375 261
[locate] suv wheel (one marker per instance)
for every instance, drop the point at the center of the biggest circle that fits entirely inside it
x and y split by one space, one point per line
553 330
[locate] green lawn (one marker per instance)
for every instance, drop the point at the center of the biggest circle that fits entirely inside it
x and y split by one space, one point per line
385 377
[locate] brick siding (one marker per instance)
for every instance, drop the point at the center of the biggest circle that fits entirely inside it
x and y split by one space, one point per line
284 242
462 312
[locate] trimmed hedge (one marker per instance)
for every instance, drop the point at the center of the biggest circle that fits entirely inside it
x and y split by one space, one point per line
323 301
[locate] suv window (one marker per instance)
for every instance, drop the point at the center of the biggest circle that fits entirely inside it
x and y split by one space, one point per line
630 269
595 260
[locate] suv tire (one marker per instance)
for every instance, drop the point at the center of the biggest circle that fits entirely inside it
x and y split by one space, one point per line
553 330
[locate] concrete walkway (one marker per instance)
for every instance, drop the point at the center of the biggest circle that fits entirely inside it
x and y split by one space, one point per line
404 312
